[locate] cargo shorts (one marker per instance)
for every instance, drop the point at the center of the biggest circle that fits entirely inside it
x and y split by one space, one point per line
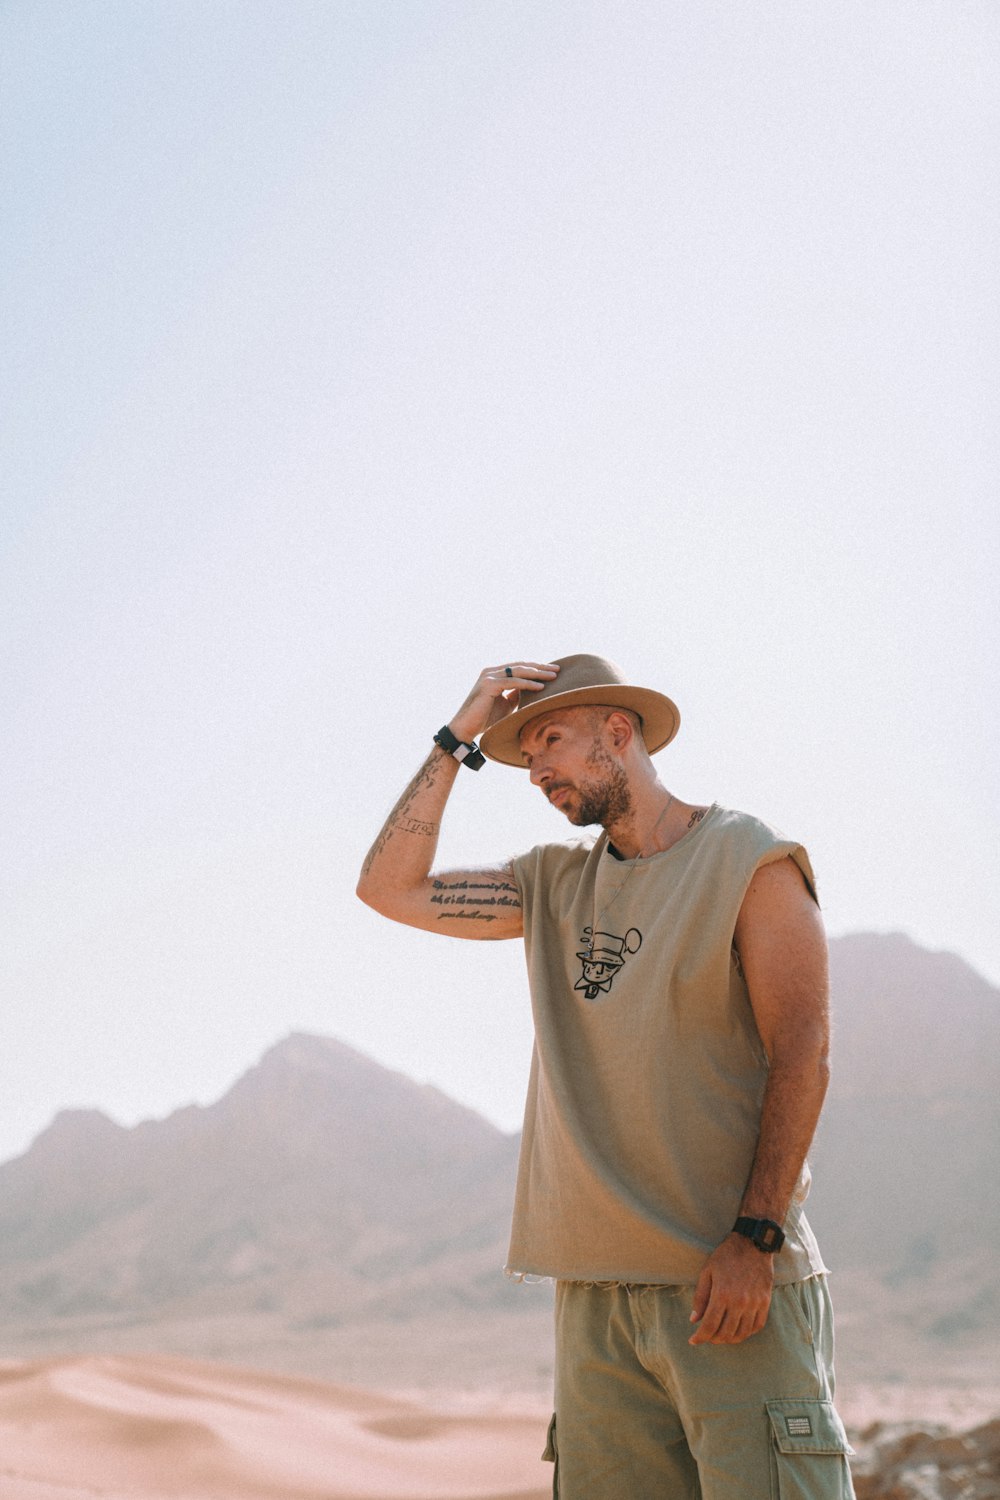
642 1415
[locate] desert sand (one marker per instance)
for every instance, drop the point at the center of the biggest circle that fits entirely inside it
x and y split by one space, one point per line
162 1427
141 1428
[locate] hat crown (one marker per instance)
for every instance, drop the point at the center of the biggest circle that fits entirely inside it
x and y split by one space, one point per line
578 673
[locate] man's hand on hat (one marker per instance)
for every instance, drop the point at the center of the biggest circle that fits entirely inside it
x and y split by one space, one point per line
497 693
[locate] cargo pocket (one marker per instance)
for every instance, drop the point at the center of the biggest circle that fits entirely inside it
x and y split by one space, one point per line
809 1452
551 1456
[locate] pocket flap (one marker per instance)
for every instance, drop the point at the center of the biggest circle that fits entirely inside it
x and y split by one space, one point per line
808 1427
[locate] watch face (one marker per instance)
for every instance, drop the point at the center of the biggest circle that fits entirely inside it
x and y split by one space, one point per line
763 1233
767 1236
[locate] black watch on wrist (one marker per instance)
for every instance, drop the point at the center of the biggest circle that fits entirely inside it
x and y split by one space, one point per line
764 1233
466 753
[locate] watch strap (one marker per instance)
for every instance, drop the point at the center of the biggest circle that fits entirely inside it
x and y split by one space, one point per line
466 752
764 1233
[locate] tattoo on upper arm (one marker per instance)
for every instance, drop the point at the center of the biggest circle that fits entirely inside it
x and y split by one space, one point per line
398 821
475 900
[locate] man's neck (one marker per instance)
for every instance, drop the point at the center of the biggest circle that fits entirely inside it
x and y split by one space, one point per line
655 822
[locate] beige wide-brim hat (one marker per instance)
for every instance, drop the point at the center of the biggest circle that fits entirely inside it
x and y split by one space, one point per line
582 680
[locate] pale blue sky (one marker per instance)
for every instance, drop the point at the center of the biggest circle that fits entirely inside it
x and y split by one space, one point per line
352 347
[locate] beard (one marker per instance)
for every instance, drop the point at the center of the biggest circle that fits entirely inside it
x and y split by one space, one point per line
605 798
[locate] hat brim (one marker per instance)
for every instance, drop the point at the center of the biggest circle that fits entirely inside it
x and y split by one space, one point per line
659 715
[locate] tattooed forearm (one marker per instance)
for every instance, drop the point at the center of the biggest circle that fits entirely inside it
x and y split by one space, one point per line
398 821
398 879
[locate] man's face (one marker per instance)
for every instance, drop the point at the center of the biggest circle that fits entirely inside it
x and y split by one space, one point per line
570 759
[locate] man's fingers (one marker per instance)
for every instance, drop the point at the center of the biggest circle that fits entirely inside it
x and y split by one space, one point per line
727 1323
497 692
506 683
721 1327
760 1320
530 675
732 1295
702 1293
708 1332
710 1320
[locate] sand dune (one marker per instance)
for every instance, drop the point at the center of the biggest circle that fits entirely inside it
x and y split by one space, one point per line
140 1428
144 1427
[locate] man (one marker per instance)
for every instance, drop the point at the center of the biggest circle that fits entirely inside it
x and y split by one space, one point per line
677 968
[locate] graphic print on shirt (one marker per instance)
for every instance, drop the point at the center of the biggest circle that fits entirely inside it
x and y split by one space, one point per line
602 957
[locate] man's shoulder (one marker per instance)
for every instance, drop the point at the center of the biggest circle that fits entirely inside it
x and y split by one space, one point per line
753 842
732 823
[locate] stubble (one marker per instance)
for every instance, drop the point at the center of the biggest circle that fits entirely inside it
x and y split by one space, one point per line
606 798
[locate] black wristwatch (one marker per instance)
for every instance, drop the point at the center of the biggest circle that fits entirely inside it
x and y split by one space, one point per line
466 753
764 1233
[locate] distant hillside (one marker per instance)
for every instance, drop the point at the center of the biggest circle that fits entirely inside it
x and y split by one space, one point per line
908 1154
325 1203
320 1184
907 1162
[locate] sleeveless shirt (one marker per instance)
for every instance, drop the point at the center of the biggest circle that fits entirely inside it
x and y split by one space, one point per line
648 1073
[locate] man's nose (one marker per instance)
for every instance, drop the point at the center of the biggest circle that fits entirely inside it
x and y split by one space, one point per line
540 775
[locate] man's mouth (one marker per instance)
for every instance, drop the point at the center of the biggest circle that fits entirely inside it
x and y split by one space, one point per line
556 793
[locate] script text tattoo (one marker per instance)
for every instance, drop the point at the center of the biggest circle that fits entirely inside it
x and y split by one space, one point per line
474 899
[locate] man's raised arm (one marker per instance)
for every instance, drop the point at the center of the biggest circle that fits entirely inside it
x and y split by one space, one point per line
396 878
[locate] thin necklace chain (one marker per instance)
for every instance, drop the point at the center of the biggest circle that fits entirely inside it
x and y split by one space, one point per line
604 911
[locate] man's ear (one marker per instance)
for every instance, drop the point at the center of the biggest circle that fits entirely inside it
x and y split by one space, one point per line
621 728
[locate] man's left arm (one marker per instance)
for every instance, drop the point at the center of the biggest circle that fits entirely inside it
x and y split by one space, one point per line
782 947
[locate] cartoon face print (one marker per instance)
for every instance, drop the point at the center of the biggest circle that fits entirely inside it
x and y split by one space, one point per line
602 958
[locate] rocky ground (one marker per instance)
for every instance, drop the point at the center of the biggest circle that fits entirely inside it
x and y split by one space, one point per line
927 1462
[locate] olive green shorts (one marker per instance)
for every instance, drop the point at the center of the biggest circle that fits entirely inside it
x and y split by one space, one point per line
642 1415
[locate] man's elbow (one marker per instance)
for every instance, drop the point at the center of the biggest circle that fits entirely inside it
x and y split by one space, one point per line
369 892
805 1054
816 1060
387 900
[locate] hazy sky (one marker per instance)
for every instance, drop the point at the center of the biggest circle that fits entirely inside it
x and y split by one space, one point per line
351 347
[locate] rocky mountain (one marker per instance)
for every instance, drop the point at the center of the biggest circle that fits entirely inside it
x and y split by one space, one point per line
320 1184
907 1161
907 1157
325 1193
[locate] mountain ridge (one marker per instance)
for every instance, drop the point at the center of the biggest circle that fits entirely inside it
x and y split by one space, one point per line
323 1191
